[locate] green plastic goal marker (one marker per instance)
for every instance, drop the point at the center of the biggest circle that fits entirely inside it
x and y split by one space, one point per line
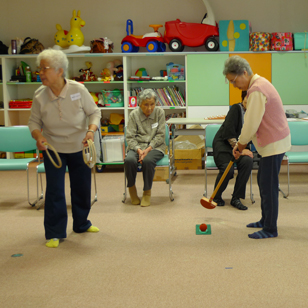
208 231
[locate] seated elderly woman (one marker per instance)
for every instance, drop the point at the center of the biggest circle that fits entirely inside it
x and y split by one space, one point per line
223 143
145 137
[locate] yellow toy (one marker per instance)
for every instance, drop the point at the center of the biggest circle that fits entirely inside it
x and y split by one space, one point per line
95 97
106 75
72 39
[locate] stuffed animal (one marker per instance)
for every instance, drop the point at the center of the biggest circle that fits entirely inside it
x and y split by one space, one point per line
110 65
106 74
117 62
119 73
88 74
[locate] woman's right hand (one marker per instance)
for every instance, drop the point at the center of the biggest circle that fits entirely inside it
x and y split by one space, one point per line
40 140
141 155
236 153
40 143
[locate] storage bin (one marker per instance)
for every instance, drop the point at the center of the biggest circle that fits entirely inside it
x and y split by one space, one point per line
300 40
113 148
260 41
19 155
113 98
282 41
234 35
20 103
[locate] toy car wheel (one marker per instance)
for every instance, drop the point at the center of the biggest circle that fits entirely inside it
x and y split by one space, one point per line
100 168
176 45
127 47
161 47
211 44
152 46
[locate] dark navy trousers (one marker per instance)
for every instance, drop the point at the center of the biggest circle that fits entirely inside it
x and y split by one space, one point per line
268 182
55 214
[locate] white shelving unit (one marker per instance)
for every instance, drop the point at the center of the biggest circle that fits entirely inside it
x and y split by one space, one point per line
153 63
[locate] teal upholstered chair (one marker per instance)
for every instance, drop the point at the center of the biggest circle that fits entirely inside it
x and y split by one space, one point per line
210 132
299 142
164 162
17 139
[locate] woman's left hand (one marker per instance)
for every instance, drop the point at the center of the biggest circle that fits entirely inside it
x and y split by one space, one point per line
247 153
144 154
89 135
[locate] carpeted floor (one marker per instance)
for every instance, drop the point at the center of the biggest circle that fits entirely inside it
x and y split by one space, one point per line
152 257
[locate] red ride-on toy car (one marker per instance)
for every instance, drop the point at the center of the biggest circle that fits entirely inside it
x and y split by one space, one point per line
152 41
179 34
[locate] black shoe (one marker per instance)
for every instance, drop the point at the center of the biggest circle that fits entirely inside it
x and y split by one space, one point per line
219 201
238 204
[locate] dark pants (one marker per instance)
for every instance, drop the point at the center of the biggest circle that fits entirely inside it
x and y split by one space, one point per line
244 167
268 182
55 214
148 167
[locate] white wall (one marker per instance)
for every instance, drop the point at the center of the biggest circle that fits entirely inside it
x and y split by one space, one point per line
37 18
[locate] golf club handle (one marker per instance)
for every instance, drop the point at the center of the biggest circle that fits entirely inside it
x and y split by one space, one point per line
222 178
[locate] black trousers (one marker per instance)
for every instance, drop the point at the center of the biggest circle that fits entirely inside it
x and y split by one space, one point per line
55 213
148 167
244 167
268 182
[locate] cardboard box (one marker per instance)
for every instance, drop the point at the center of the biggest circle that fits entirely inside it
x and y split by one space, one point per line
282 41
259 41
300 40
234 35
161 174
190 159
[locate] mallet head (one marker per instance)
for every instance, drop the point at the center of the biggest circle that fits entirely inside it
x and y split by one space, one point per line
208 203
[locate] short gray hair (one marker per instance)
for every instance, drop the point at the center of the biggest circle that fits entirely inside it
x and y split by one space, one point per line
237 65
56 58
146 94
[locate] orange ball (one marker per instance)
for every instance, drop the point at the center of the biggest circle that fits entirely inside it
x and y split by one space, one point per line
203 227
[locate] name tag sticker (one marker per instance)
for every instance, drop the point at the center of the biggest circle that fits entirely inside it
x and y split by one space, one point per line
154 125
75 96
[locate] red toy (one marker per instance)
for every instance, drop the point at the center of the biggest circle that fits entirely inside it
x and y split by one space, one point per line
152 41
203 227
179 34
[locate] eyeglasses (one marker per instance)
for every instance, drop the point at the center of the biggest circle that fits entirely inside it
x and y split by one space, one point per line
231 81
43 69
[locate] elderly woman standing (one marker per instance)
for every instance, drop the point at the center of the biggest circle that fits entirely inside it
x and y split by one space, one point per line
145 137
59 115
266 125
